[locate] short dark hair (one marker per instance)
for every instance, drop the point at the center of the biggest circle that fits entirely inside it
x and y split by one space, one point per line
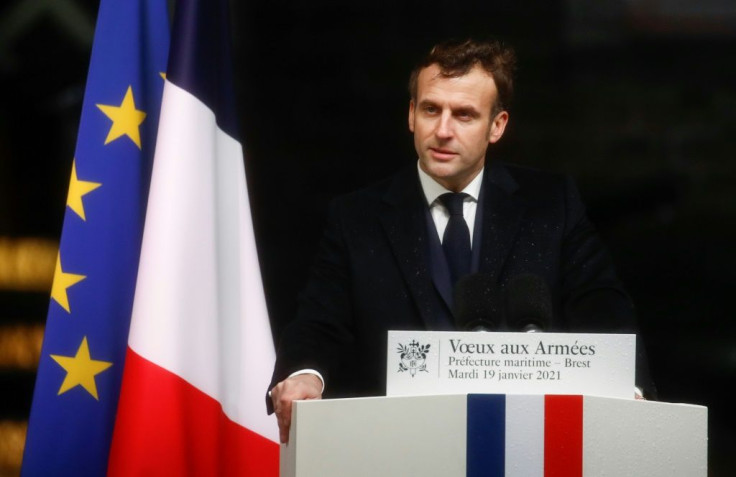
457 58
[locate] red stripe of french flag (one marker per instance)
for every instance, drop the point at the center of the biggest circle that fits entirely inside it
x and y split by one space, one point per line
186 431
563 436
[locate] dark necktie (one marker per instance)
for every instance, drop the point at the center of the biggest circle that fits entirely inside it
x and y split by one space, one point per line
456 241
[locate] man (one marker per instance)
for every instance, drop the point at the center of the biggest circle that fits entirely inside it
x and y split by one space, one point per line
393 252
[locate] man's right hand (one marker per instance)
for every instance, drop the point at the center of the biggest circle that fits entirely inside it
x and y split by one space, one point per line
301 386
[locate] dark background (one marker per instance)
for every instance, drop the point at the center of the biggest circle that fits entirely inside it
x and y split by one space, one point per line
636 99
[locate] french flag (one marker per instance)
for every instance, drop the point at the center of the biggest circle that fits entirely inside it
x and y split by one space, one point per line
200 350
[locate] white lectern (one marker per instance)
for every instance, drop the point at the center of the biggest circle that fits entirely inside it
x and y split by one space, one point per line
495 435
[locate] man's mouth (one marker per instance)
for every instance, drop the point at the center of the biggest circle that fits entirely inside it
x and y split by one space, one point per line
442 154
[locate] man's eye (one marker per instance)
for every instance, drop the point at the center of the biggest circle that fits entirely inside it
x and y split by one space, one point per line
431 109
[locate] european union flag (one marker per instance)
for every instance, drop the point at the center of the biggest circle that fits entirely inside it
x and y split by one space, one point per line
76 394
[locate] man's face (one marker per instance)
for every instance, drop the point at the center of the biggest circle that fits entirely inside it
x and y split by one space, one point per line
452 124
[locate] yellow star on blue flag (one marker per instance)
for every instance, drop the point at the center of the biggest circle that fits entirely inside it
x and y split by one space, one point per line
77 190
126 119
81 370
62 281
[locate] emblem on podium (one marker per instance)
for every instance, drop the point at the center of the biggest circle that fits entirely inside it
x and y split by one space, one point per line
413 357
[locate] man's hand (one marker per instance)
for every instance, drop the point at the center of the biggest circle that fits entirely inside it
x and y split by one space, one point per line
301 386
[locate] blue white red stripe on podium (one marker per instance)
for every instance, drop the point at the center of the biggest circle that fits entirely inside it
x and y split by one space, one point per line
524 436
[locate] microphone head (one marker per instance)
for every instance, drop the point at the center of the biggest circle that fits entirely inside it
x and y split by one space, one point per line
528 303
477 305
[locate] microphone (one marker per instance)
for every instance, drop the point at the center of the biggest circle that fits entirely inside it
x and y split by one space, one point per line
477 305
528 303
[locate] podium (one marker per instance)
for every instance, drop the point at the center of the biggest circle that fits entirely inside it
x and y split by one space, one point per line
495 435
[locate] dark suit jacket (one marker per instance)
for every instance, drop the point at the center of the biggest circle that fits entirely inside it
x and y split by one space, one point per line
372 272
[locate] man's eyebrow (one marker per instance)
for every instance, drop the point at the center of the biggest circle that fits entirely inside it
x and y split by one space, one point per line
469 110
427 102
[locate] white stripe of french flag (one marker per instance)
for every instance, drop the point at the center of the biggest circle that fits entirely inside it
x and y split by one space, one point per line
200 347
525 436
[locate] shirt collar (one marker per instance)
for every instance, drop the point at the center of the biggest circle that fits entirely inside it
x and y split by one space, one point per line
432 189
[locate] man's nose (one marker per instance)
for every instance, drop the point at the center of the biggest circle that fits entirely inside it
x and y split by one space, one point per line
444 126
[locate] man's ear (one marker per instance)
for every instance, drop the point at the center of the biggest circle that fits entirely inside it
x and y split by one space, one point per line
498 126
411 115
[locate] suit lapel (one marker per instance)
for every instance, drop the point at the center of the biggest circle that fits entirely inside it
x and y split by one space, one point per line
502 213
404 222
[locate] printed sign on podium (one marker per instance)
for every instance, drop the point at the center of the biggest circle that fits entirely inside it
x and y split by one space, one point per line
439 362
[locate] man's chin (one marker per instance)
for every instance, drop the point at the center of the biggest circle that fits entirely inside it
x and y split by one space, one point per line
448 174
442 175
438 167
441 171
